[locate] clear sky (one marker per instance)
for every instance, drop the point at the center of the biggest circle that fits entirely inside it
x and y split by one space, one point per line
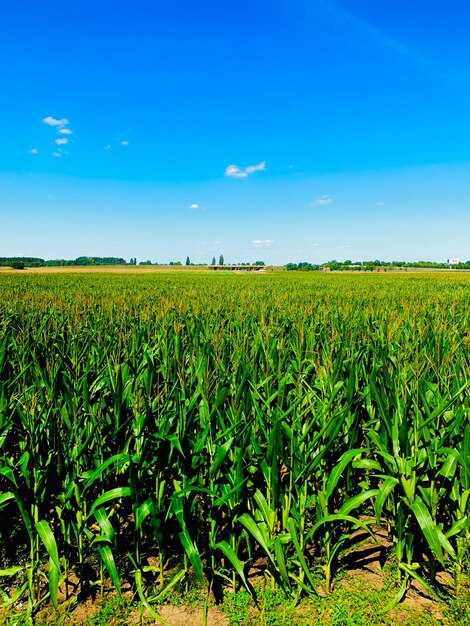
280 130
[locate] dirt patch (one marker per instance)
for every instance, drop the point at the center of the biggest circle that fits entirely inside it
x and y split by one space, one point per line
187 616
364 563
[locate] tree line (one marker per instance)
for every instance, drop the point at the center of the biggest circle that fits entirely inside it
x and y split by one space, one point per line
361 266
23 261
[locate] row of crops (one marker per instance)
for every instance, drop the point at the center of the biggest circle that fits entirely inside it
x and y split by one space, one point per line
165 428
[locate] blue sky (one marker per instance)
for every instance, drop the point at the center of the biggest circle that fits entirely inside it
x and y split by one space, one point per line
281 130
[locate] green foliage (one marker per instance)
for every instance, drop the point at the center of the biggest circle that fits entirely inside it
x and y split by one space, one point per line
303 265
215 423
17 265
82 260
114 611
375 265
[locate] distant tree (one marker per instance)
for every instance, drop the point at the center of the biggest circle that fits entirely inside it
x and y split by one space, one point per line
213 261
17 265
188 262
28 261
221 259
95 260
304 266
260 263
333 265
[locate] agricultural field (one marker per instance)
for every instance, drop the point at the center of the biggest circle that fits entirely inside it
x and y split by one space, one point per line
169 431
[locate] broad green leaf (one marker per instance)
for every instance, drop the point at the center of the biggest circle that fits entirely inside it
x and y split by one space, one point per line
107 557
48 539
385 490
228 551
428 527
193 554
112 494
255 531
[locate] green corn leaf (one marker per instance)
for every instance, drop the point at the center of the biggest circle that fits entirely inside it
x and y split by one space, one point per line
426 524
414 574
96 474
112 494
110 565
161 595
367 464
263 507
8 473
142 512
145 602
337 517
105 524
291 524
255 531
6 497
228 551
9 601
220 456
450 465
280 560
229 494
337 472
458 527
48 539
193 554
11 571
445 405
356 501
385 490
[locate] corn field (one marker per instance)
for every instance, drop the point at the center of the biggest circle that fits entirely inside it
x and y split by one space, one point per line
167 428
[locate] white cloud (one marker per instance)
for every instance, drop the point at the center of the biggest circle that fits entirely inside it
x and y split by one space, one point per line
65 131
326 199
194 206
57 154
256 168
234 171
34 151
51 121
61 141
262 243
124 143
107 146
380 203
